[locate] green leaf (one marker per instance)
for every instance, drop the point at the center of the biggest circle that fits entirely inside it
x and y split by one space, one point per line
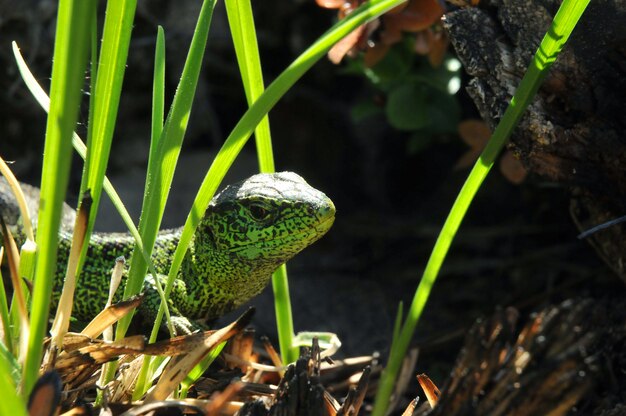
395 65
444 112
406 107
446 78
364 109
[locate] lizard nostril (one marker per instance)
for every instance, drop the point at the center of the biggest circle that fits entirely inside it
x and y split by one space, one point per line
326 211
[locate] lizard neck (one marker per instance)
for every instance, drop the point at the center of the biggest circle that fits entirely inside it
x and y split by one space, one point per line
164 248
218 281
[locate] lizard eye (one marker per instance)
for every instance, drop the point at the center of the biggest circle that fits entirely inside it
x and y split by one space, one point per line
259 212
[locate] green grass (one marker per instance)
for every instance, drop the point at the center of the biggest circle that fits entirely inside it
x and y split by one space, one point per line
244 129
564 22
70 59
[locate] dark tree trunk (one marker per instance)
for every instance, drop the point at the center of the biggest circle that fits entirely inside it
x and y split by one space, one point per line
574 133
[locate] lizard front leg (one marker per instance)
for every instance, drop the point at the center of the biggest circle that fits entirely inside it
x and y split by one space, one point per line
150 306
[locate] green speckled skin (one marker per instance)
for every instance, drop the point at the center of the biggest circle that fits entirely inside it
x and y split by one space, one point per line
249 229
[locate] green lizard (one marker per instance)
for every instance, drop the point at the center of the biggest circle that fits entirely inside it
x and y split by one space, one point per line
249 229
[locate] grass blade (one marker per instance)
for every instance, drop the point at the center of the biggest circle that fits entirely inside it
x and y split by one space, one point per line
104 102
158 88
161 167
554 40
70 58
243 31
106 96
11 403
242 28
158 109
246 125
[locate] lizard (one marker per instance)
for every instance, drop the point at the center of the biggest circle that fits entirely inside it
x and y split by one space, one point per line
249 229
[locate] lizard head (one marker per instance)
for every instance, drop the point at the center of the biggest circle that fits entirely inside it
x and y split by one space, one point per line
265 220
249 229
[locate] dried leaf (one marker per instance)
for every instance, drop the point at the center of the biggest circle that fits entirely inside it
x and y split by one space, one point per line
61 322
111 315
475 133
98 352
179 366
512 168
178 345
374 54
220 400
241 347
438 47
330 4
430 389
410 408
418 15
45 398
345 45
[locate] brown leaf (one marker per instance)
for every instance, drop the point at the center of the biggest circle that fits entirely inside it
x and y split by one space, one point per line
220 400
418 15
178 345
345 45
110 315
438 47
330 4
422 43
430 389
46 395
179 366
512 168
374 54
475 133
468 159
96 351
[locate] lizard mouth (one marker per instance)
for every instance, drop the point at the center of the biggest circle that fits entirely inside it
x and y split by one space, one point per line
325 224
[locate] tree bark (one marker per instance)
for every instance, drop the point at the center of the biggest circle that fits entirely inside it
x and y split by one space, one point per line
573 133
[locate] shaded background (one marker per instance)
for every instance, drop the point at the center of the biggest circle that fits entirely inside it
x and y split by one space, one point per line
517 247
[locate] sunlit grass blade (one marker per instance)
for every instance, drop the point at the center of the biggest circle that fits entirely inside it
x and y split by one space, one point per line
7 333
242 28
158 88
26 265
44 101
19 307
81 149
11 403
284 316
199 369
70 58
158 108
19 197
161 166
158 111
104 103
104 100
564 22
246 125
